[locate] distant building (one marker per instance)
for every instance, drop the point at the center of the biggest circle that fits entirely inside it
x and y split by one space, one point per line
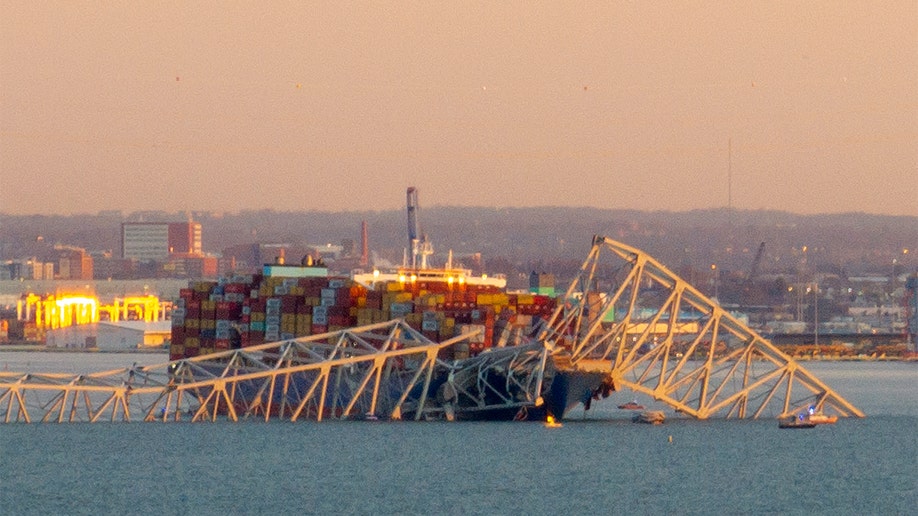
30 269
155 241
185 238
108 336
192 266
74 263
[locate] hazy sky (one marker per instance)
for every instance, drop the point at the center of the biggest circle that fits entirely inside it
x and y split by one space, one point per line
341 106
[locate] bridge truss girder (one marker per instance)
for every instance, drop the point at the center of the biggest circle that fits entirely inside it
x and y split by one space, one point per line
658 335
382 370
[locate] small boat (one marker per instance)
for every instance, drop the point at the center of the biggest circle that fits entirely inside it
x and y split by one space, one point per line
551 422
822 419
798 421
631 405
650 417
818 418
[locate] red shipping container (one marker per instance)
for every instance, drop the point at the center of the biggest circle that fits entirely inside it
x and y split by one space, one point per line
289 304
236 288
193 309
341 311
313 283
339 320
226 310
257 305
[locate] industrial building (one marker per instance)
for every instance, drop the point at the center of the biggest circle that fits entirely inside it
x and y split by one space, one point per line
111 336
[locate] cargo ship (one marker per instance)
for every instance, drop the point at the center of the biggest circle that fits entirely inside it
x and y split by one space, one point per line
289 302
495 367
286 301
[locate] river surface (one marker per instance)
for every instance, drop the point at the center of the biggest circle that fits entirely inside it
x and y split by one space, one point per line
597 463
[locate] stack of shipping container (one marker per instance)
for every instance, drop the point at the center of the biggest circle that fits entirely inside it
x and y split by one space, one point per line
245 310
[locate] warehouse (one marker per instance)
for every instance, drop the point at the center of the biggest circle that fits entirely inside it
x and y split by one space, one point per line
111 336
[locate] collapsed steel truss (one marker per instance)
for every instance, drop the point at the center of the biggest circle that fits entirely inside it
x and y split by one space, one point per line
380 370
625 318
658 335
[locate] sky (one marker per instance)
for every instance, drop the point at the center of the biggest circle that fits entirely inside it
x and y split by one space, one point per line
808 107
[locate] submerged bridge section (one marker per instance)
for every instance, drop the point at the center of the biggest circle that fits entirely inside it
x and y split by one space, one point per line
625 323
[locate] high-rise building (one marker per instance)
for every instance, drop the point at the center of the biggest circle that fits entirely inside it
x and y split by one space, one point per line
74 263
185 238
155 241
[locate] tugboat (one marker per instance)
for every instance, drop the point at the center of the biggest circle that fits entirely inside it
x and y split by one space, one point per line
818 418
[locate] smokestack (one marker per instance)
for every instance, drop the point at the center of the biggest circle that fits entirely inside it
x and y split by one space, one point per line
364 245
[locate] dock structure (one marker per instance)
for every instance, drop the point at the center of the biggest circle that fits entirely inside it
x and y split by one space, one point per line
625 323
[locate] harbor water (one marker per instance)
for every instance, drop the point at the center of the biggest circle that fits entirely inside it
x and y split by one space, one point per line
597 463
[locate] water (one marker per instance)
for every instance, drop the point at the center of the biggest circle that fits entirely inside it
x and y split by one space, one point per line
594 465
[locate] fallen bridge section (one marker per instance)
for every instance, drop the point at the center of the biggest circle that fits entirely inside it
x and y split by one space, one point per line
377 371
628 315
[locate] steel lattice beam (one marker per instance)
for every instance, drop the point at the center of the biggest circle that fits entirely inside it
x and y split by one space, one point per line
656 334
383 370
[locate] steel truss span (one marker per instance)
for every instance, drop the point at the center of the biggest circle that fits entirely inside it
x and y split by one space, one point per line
655 334
625 322
377 371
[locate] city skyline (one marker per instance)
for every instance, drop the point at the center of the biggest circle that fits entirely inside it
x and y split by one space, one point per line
807 108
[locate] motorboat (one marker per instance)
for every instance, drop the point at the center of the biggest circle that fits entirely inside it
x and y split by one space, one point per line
822 419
